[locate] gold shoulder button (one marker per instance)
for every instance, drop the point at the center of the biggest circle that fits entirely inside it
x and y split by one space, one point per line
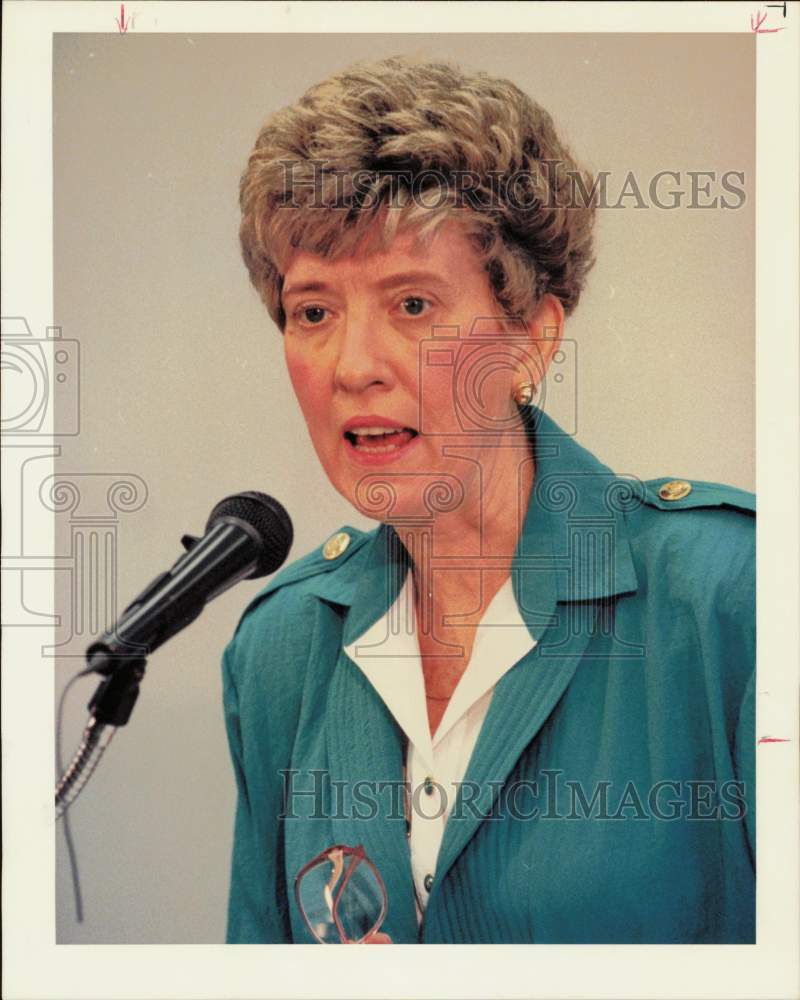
336 545
676 489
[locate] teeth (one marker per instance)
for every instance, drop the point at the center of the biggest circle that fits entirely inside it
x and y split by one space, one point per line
376 448
374 431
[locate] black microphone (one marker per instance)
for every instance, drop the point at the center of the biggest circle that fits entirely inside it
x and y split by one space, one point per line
247 535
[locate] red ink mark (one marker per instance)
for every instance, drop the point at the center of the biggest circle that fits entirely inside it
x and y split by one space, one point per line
122 24
772 739
755 26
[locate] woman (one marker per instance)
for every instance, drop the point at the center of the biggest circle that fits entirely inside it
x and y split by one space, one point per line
528 694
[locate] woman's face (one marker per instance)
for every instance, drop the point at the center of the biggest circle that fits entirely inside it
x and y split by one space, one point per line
384 395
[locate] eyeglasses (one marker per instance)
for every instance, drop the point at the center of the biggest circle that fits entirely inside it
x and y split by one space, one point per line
341 896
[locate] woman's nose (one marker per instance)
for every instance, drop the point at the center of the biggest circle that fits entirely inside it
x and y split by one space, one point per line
361 361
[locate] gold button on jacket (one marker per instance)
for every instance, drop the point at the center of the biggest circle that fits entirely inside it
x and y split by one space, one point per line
336 545
675 490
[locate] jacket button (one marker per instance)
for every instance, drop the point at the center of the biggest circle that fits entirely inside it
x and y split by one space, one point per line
428 883
336 545
428 786
677 489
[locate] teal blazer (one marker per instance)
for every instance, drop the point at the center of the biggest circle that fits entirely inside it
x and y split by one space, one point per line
610 797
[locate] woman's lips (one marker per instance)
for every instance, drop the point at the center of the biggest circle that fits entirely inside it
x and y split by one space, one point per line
379 449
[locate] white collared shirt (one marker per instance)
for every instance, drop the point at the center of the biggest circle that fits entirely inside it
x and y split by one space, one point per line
389 656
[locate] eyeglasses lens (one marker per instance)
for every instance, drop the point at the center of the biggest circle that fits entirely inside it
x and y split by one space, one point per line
359 904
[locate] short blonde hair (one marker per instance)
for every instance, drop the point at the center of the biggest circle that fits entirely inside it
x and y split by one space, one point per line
400 143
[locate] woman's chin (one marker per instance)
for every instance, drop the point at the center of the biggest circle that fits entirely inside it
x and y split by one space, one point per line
380 501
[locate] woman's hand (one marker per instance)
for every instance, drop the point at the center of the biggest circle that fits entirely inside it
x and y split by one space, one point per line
378 937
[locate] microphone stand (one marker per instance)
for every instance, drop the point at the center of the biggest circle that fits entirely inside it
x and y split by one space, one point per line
113 701
110 707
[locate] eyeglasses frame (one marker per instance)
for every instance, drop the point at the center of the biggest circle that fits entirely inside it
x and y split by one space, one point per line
356 856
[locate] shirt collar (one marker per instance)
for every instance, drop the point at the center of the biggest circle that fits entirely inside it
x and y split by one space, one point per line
388 655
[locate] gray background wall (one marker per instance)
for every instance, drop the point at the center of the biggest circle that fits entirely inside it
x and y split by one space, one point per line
183 382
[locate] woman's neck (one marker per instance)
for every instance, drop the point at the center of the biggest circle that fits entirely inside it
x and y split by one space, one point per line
463 556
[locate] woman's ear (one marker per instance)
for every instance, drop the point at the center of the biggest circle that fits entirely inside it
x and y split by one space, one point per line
545 328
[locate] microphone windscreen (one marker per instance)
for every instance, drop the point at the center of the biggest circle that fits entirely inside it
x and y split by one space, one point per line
270 521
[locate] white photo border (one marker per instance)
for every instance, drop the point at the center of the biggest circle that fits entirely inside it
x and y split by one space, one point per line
34 965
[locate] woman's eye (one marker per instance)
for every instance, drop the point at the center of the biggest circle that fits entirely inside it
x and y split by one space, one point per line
312 314
415 305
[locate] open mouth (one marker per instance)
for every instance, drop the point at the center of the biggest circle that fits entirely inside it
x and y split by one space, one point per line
376 441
